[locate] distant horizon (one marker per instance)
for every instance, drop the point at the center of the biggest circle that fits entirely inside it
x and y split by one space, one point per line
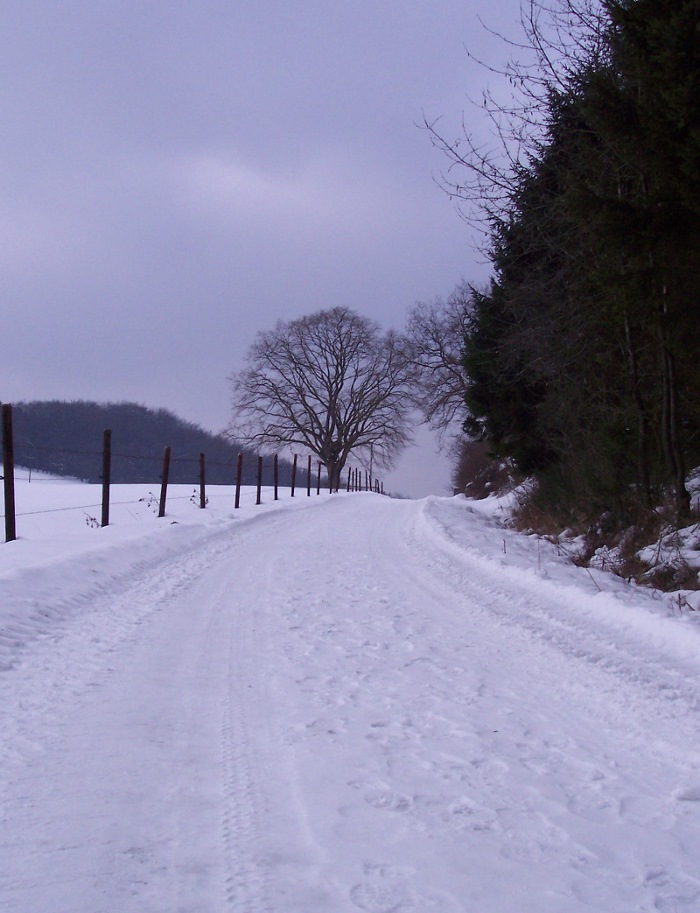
413 477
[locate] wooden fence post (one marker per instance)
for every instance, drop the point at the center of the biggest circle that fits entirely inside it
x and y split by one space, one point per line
275 476
202 483
258 500
318 479
106 474
8 473
239 473
164 481
349 477
294 473
308 477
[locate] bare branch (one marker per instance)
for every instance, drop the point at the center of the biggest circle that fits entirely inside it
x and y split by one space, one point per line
482 176
435 341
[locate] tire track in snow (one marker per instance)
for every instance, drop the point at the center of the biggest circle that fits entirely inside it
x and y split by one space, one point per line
245 879
73 656
109 793
67 650
349 646
473 724
369 750
112 641
126 576
610 650
589 760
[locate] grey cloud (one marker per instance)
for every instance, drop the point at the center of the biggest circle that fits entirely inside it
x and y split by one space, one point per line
176 176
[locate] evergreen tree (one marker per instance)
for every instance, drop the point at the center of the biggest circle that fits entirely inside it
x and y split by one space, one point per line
582 358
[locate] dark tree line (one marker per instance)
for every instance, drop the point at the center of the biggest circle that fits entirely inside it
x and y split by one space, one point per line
582 358
65 439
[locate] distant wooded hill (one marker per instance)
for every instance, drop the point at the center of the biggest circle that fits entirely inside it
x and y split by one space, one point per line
65 438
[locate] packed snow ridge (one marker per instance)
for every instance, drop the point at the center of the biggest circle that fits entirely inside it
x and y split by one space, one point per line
334 704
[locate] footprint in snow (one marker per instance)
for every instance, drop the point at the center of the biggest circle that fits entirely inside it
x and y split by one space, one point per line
390 889
674 893
380 795
386 890
647 811
378 898
593 806
463 813
388 799
678 903
687 794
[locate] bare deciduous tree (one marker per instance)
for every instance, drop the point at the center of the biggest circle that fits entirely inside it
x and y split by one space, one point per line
330 383
484 171
435 344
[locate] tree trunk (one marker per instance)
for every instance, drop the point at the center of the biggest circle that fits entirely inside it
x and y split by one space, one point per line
644 476
670 429
334 468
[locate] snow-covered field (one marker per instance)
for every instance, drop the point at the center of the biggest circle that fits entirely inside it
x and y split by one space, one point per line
330 705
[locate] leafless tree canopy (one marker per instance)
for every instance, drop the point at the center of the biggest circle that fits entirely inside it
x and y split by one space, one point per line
482 175
435 338
330 383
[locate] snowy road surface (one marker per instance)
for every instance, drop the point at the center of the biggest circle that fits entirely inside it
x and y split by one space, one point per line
363 705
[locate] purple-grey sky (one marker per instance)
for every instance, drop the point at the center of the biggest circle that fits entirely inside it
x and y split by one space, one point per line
176 176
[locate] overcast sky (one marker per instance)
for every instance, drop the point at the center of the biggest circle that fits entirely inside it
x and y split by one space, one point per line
177 175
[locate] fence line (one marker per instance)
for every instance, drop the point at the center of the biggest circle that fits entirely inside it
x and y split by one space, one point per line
354 482
58 510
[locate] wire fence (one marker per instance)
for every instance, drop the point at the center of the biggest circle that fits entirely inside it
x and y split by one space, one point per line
309 478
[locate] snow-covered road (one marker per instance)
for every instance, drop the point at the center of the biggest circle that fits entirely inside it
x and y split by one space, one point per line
364 705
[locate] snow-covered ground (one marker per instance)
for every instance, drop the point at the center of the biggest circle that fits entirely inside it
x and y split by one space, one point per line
332 705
